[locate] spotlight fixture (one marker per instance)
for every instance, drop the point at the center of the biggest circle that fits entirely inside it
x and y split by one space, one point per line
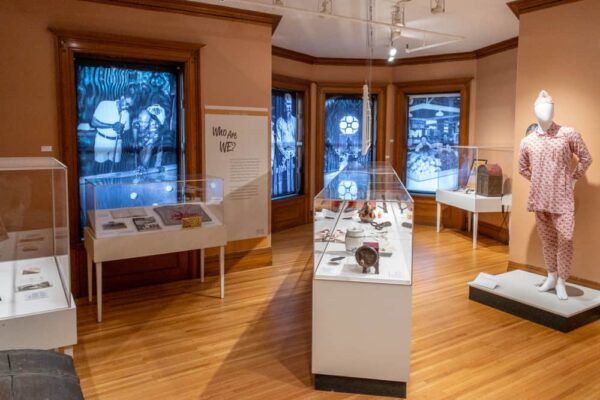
326 7
398 13
438 6
393 51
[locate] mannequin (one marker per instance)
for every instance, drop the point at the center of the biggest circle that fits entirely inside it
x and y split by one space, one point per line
545 159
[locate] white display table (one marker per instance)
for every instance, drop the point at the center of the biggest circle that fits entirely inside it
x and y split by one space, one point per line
471 203
149 244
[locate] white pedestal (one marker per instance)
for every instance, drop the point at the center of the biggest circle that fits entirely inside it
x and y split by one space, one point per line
517 294
471 203
361 331
149 244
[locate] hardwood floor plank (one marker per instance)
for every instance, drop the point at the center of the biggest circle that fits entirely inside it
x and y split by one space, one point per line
181 341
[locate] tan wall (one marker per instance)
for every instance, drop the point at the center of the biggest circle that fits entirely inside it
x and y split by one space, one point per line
496 80
559 50
235 62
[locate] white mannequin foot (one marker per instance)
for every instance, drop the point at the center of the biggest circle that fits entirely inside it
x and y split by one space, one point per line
549 283
561 289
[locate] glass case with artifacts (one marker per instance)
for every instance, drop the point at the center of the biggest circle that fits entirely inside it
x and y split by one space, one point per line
475 170
362 281
35 283
361 210
476 179
129 205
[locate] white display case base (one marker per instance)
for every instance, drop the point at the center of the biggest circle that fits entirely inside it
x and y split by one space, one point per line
44 331
361 336
517 294
473 204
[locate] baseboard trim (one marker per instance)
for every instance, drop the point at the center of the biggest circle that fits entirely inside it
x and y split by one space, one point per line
375 387
542 271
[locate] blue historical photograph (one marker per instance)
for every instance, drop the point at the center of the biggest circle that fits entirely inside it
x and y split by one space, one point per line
127 129
286 144
343 134
433 127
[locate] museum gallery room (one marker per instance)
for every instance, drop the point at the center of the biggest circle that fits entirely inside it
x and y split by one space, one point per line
299 199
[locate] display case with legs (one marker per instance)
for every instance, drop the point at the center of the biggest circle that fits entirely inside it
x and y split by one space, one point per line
130 217
476 179
37 309
362 283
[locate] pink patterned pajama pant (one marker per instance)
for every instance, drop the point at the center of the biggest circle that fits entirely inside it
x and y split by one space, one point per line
556 234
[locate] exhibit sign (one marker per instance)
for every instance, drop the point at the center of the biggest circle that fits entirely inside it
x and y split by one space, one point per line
236 144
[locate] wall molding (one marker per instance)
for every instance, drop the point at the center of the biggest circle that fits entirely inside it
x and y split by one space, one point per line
519 7
197 9
495 48
542 271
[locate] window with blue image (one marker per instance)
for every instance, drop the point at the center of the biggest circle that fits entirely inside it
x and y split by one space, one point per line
433 127
286 143
343 134
128 127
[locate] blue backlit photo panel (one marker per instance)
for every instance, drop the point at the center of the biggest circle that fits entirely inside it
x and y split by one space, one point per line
343 134
433 126
127 129
286 144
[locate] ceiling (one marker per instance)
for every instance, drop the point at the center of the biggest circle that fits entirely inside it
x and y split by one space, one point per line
480 22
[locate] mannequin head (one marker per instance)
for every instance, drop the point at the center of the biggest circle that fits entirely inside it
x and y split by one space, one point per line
544 109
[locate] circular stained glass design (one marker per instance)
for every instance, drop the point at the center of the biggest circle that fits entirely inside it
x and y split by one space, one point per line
349 125
347 190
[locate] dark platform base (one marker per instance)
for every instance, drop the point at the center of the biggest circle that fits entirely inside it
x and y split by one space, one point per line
530 313
374 387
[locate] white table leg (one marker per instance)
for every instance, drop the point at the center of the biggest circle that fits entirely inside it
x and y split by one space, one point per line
468 221
99 290
475 223
439 216
89 276
68 350
222 270
201 265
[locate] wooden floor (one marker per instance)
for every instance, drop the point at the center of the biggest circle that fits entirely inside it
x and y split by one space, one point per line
180 341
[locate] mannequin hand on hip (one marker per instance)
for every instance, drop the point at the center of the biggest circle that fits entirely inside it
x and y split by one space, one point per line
573 182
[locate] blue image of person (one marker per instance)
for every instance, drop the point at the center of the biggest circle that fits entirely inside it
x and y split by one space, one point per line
286 129
111 120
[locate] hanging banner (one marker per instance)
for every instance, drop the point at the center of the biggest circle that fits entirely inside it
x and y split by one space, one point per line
236 149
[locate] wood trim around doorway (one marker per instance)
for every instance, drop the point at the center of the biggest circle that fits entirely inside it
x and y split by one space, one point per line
72 44
425 206
325 89
294 211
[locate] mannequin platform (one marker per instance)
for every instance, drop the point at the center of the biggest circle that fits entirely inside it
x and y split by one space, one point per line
517 294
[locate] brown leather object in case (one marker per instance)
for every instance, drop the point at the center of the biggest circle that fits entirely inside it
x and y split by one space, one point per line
489 180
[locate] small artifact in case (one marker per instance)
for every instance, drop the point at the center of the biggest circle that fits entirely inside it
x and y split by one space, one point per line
489 180
367 256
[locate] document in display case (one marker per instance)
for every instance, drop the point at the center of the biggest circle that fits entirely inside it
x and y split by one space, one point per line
125 206
362 283
37 309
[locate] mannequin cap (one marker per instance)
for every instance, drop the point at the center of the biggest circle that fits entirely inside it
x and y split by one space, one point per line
544 97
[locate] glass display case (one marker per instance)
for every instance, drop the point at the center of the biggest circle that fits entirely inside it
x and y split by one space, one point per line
363 227
362 282
476 170
125 206
34 254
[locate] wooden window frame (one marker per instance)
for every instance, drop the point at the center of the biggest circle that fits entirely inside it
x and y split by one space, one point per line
325 89
425 204
293 211
72 44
